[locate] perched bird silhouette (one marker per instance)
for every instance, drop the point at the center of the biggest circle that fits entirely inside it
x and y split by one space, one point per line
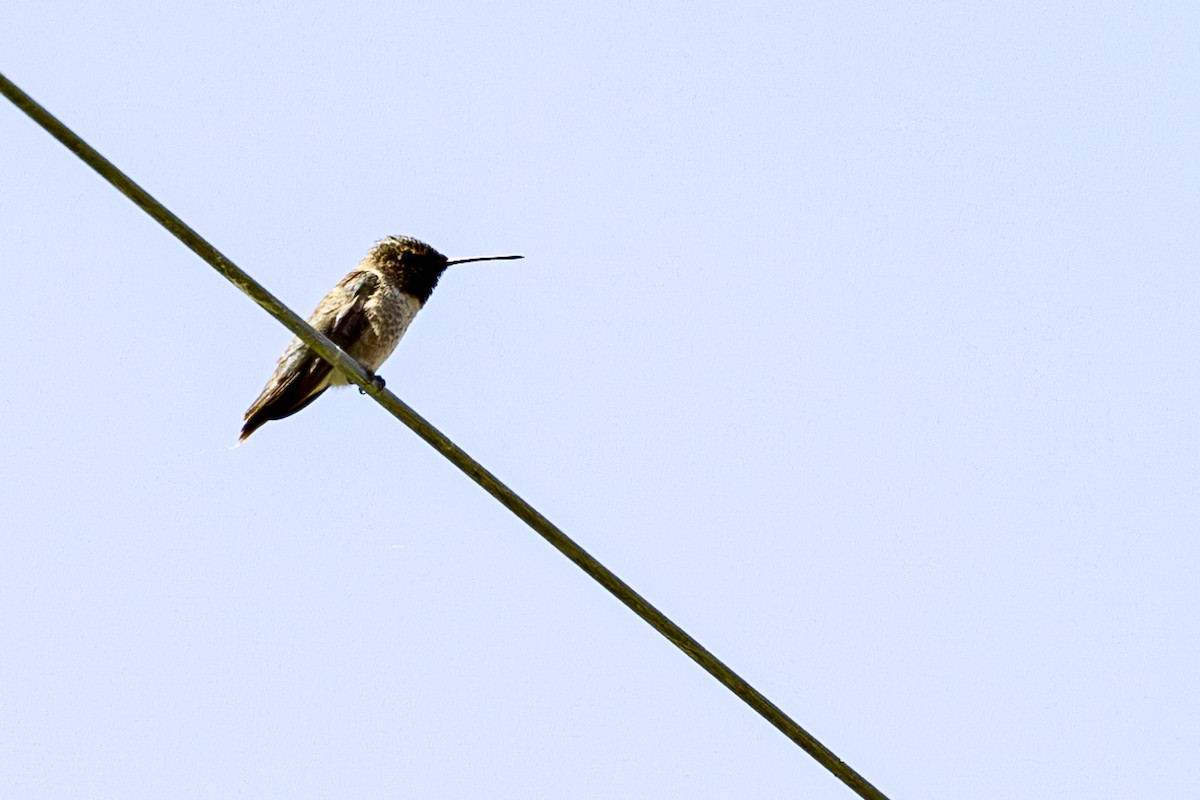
366 315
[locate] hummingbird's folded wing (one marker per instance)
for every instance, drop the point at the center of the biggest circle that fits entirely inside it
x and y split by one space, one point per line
301 375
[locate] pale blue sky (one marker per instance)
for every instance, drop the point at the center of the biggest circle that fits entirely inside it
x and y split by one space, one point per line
860 338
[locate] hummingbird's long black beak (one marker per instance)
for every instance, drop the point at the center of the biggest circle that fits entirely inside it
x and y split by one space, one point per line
481 258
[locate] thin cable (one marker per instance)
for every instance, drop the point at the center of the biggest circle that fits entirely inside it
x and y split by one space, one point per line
399 409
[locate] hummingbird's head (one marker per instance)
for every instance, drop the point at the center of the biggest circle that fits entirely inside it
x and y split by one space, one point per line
414 265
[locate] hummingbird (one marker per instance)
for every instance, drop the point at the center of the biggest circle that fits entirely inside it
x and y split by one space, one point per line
366 315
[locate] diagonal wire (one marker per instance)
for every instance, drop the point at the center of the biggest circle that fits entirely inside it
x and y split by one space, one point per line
399 409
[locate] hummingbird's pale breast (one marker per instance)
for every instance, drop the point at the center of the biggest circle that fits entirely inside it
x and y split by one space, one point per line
389 311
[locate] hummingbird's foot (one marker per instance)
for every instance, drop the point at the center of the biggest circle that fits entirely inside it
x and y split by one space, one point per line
376 381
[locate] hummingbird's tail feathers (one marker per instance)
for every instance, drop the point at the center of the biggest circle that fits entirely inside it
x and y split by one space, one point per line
266 414
291 389
250 427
